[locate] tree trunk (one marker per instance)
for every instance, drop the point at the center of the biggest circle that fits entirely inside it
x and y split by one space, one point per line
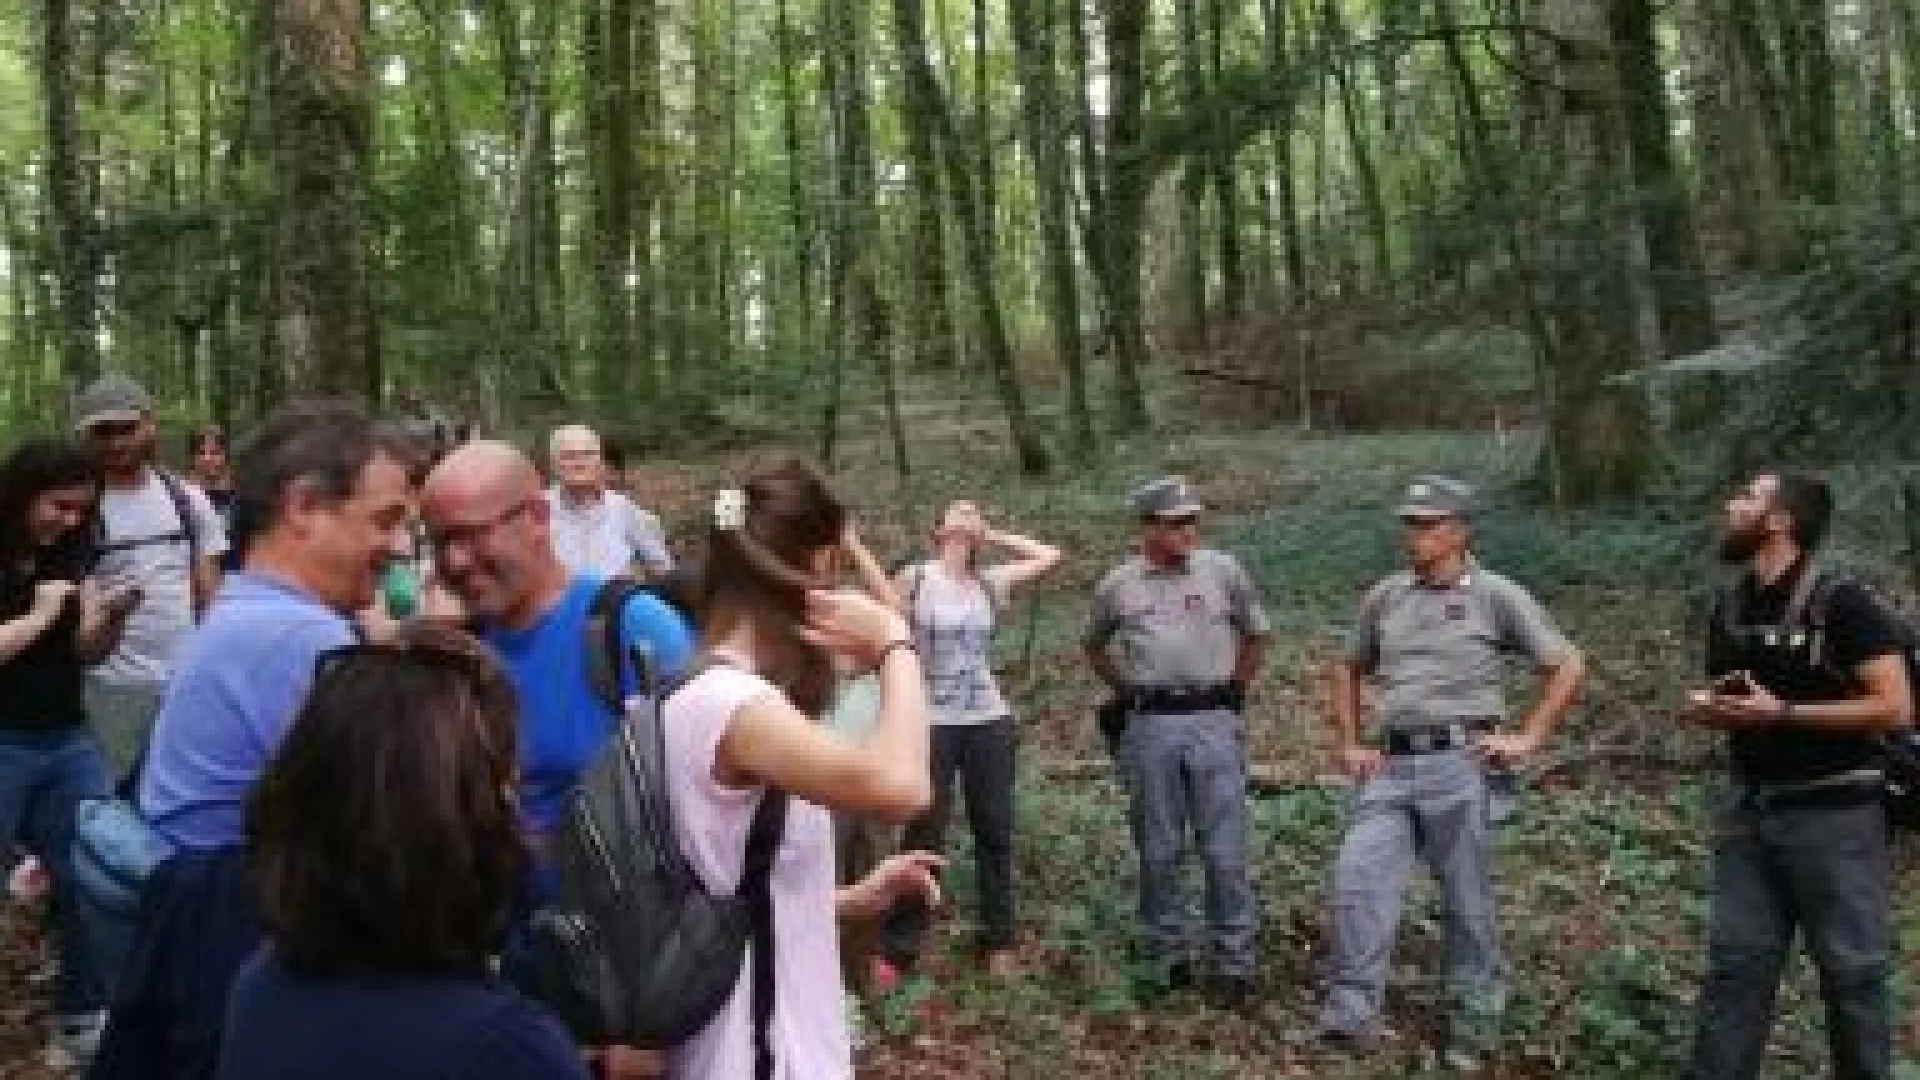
1032 23
1682 306
976 228
75 240
929 312
319 106
1126 186
1220 158
1359 145
1192 304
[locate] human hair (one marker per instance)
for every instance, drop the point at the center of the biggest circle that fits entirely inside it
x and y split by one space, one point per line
36 467
568 435
204 434
321 443
759 574
1807 500
385 836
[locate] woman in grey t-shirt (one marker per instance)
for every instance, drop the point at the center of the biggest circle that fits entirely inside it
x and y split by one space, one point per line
952 601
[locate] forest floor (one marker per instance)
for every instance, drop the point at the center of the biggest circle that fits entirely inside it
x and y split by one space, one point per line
1601 875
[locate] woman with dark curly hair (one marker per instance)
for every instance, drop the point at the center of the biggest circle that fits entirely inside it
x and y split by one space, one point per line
51 619
386 847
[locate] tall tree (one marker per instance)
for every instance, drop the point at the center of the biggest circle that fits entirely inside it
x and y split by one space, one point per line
318 102
928 315
1032 23
75 237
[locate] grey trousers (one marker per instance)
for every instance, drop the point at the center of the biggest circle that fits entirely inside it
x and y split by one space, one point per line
1431 807
122 719
1780 869
1187 773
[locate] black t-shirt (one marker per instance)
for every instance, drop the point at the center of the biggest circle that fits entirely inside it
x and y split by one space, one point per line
1799 666
40 687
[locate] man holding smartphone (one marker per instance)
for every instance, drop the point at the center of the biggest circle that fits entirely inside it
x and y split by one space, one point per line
159 544
1806 675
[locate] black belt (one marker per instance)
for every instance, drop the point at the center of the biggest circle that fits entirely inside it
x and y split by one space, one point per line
1435 738
1183 699
1845 791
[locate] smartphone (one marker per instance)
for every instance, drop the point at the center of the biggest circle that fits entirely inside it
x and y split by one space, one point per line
1734 684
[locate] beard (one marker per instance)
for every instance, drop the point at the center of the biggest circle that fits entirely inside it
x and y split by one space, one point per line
1737 546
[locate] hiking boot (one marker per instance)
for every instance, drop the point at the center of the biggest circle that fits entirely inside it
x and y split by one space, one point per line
1236 993
1357 1042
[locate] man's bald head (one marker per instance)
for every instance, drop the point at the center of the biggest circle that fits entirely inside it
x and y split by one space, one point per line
484 470
487 519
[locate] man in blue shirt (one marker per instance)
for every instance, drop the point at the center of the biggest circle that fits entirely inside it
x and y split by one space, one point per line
328 486
488 522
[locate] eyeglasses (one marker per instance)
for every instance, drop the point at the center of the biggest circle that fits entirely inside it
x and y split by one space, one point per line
471 535
434 644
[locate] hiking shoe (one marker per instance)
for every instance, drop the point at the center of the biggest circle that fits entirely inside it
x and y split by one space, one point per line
886 976
1357 1043
1236 993
74 1040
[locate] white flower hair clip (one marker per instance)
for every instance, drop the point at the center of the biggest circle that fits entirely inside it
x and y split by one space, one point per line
730 510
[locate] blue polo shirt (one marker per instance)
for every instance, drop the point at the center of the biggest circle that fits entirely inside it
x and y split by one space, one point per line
562 724
242 677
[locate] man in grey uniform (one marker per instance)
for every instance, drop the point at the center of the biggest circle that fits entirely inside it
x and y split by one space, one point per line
1430 640
1178 632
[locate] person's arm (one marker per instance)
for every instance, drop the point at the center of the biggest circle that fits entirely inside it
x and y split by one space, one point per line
1102 623
867 570
211 542
905 874
648 542
1534 633
1359 658
1250 619
886 774
17 634
1031 558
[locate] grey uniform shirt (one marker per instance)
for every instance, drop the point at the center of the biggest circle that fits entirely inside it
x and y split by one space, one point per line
1434 654
1177 626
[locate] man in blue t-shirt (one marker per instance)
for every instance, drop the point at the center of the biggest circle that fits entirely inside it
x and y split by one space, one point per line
488 523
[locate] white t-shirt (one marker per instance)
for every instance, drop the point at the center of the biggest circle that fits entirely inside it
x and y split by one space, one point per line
145 543
952 620
606 537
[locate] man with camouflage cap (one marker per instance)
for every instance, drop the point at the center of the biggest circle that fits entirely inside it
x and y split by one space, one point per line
1430 640
1178 633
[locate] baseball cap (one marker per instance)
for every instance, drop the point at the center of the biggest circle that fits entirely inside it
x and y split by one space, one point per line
1436 496
111 398
1167 497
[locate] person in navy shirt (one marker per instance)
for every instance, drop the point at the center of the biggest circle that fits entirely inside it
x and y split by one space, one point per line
387 891
488 524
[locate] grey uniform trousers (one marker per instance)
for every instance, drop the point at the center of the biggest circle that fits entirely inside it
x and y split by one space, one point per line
1188 772
1823 870
1431 807
122 719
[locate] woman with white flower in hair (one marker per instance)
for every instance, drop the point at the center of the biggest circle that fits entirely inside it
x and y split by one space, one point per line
743 749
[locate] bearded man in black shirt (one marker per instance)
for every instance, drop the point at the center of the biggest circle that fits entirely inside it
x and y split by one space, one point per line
1807 675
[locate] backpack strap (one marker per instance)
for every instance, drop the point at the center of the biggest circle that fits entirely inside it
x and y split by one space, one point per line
606 644
182 510
756 884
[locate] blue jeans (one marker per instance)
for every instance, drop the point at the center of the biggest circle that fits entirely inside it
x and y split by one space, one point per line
43 777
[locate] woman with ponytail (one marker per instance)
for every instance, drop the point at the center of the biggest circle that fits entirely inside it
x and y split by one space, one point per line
743 729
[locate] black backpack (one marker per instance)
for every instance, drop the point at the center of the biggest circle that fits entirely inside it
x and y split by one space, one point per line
1808 608
635 950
